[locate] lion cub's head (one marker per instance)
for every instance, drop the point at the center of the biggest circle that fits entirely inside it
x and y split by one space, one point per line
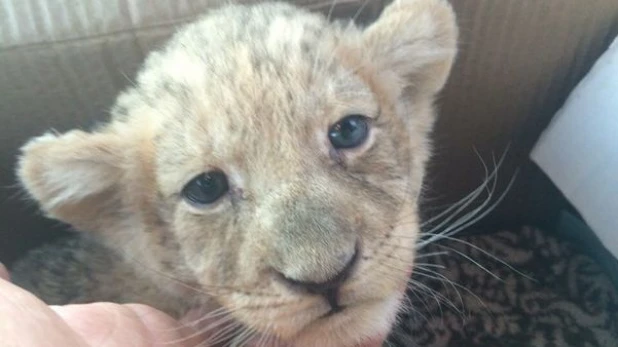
270 158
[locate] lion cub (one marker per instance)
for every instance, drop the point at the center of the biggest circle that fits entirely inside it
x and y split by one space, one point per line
266 165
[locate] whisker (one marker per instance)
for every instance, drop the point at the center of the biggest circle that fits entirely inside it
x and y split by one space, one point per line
495 258
435 294
208 328
473 262
224 334
360 10
318 5
454 229
413 284
264 339
471 245
230 325
419 298
470 215
241 338
476 297
431 254
387 253
330 10
437 276
439 266
192 324
470 219
213 315
465 201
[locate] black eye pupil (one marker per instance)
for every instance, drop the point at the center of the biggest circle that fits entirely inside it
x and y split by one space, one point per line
349 132
206 188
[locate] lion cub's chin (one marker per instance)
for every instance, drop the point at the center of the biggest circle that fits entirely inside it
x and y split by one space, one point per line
363 324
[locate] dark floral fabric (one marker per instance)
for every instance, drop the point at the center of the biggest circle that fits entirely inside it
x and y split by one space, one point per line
548 295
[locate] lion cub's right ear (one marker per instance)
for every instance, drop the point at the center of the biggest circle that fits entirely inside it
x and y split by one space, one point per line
75 177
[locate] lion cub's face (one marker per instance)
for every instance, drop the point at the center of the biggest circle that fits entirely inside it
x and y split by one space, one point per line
270 159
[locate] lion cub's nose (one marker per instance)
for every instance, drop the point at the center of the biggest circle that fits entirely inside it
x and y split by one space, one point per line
329 289
332 283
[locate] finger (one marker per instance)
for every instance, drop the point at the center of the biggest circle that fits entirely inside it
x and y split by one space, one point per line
105 324
27 321
204 325
4 273
114 325
201 320
164 330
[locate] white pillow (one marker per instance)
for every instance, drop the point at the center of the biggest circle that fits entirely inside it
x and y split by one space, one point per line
579 149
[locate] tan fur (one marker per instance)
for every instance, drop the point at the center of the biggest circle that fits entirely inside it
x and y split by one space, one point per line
252 91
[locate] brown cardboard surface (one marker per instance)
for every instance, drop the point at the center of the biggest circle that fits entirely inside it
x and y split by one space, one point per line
62 65
518 61
31 22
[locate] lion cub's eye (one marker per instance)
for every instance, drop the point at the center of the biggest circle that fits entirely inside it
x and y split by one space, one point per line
206 188
349 132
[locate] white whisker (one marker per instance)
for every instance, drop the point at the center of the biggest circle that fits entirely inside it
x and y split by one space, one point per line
437 276
488 255
473 262
489 178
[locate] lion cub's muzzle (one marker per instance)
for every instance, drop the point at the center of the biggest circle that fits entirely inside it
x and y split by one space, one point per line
329 289
314 248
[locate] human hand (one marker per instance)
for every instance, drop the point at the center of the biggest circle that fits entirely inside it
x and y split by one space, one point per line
27 321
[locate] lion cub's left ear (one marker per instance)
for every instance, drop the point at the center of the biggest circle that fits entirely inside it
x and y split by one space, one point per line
416 40
75 177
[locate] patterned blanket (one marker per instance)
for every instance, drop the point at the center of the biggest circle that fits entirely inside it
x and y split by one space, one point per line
548 295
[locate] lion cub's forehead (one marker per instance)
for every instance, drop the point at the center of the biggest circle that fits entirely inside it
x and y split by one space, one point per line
248 85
